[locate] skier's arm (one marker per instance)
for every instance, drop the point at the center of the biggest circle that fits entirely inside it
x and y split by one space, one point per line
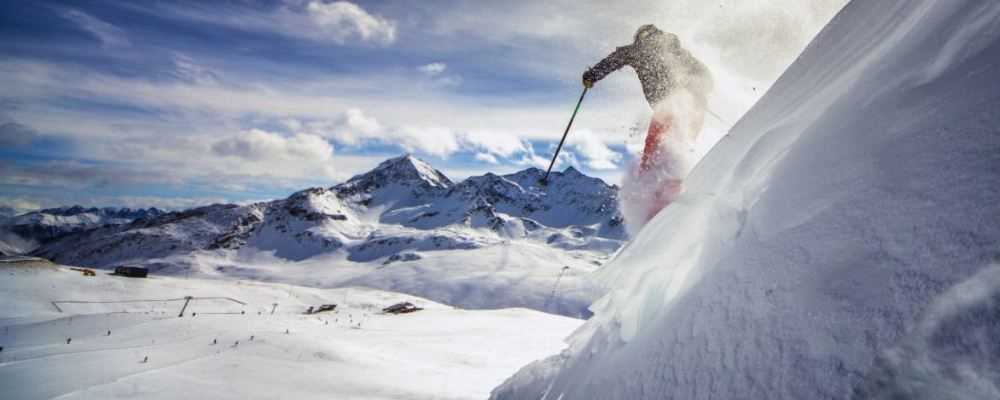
613 62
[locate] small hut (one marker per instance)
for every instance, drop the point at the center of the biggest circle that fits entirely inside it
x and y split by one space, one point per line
131 271
401 308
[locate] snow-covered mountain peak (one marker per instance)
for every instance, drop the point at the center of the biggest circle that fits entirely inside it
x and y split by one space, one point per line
103 212
405 170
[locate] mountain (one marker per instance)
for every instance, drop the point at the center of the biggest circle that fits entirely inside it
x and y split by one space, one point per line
7 212
840 242
404 214
21 233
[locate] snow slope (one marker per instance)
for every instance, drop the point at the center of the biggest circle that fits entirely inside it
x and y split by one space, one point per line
353 353
840 242
488 242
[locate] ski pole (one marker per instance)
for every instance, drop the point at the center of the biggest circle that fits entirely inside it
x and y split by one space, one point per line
558 148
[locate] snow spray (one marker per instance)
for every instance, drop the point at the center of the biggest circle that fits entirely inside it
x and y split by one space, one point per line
647 188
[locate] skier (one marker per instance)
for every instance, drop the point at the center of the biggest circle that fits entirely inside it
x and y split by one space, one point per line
676 85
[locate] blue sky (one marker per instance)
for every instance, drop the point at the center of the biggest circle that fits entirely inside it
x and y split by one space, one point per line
175 104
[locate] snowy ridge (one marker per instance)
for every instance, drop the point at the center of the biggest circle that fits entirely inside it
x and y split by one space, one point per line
386 222
7 212
819 250
21 233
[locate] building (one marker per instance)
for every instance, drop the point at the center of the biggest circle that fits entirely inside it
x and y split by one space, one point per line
401 308
131 271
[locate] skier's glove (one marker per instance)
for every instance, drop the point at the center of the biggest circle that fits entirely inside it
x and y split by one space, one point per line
588 80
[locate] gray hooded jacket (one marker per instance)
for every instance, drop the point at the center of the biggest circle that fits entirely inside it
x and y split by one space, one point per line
662 64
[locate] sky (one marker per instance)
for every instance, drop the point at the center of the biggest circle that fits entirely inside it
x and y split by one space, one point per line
175 104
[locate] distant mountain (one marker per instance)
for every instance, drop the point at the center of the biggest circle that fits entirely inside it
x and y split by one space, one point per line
7 212
42 226
403 205
489 241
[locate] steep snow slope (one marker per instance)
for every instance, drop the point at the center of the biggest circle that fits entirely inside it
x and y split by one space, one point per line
837 243
402 219
354 352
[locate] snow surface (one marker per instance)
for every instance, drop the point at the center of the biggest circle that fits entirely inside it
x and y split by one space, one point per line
488 242
840 242
353 353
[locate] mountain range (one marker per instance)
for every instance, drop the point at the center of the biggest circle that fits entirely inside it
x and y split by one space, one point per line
466 243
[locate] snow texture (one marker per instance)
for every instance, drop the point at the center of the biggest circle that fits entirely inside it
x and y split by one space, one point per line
133 345
838 243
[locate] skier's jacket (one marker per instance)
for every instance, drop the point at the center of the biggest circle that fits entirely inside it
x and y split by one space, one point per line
662 64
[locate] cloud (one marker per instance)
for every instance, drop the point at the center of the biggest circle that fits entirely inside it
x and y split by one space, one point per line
503 144
436 73
355 128
165 203
598 155
257 157
530 159
351 128
341 21
433 69
258 145
338 22
75 174
14 134
20 204
108 34
487 158
187 70
431 140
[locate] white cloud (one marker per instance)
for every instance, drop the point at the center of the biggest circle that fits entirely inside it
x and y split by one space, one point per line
487 158
431 140
108 34
259 153
20 204
351 128
598 155
436 74
530 159
494 143
259 145
433 69
341 21
355 128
